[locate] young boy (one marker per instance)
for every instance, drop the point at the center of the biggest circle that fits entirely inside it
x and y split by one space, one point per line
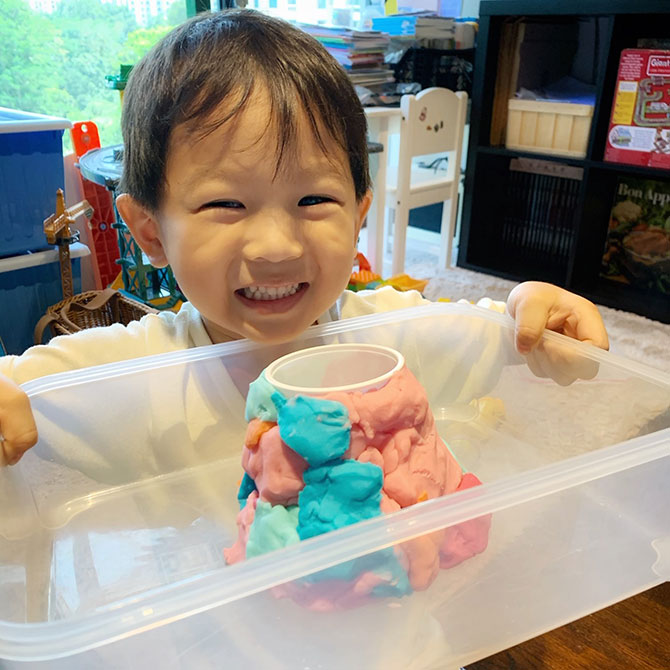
246 170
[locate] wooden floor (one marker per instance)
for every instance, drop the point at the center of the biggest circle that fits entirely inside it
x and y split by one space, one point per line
631 635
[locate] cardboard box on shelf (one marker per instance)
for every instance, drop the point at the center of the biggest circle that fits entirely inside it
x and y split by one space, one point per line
639 128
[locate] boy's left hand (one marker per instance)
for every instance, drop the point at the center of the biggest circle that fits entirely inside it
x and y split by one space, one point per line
536 306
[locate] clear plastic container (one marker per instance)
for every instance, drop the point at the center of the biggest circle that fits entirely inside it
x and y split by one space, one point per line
112 527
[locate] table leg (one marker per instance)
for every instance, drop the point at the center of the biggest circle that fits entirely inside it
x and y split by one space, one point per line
375 220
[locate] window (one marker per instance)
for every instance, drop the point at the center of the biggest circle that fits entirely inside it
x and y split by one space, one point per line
55 54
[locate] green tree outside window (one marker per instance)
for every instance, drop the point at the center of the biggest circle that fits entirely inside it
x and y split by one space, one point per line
56 63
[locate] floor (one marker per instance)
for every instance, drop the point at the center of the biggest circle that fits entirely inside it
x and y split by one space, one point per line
423 247
423 243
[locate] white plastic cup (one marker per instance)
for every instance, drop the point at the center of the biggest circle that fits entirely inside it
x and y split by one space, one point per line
334 367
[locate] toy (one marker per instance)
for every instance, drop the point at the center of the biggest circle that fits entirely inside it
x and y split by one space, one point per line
57 231
338 434
155 287
118 82
103 236
404 282
88 309
31 169
364 279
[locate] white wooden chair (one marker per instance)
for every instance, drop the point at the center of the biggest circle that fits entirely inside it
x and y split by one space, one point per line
431 127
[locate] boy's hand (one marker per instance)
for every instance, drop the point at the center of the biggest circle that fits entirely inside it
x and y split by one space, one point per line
536 306
17 425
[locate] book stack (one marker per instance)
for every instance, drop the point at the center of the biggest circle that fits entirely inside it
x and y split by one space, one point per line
360 52
426 28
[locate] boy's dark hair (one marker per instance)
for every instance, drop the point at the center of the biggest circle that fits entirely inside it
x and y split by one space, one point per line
186 76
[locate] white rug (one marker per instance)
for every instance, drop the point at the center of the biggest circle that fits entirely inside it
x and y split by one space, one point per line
631 336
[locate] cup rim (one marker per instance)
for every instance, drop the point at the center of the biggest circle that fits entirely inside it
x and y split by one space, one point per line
374 383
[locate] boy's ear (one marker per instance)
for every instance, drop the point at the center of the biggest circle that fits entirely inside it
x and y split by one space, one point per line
143 227
363 208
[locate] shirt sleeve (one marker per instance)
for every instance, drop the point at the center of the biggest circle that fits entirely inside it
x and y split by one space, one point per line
117 429
153 334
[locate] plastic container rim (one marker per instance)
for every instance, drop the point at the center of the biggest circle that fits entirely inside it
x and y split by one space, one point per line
32 122
369 384
154 361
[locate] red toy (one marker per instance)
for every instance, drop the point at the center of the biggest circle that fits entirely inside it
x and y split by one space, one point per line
365 278
106 247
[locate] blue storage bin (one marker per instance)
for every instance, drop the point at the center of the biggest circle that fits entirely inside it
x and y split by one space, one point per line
31 170
27 291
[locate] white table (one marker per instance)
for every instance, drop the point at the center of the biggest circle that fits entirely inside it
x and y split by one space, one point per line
383 122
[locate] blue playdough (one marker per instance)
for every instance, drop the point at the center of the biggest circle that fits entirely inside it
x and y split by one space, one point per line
259 400
247 486
315 428
386 565
338 494
383 563
274 527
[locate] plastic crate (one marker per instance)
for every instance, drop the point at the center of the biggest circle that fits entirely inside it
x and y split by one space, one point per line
31 170
450 69
113 525
556 128
30 283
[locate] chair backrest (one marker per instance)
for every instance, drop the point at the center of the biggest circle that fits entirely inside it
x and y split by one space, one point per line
433 121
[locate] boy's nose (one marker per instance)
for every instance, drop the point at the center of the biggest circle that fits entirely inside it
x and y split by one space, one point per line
273 238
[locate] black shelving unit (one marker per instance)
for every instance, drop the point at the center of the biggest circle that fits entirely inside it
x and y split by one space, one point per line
510 226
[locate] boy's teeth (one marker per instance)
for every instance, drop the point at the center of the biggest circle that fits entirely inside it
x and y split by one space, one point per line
270 292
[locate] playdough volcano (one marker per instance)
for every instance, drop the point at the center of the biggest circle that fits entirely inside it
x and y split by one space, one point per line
338 434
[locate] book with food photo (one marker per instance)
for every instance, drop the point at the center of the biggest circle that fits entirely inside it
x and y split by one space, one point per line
637 249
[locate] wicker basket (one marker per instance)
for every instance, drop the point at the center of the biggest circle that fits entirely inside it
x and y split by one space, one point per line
90 310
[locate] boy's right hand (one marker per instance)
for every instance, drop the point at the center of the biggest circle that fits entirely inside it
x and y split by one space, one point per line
17 425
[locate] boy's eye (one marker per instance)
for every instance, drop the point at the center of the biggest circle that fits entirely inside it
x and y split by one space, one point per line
313 200
226 204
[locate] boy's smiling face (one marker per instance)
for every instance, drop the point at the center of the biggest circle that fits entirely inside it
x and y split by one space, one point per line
261 252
